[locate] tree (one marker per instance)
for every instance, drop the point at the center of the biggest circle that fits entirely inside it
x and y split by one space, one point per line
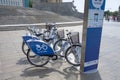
115 13
107 13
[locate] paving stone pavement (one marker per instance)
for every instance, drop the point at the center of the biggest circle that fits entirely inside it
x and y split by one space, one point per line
14 64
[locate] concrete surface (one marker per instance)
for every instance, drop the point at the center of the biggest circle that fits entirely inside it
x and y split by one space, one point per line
14 64
20 15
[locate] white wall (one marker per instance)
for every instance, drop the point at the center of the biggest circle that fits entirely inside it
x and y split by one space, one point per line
11 2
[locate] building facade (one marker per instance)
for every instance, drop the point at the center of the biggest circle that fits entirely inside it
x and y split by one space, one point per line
57 6
54 1
21 3
48 1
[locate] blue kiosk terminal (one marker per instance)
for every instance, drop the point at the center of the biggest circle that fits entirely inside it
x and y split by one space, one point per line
92 29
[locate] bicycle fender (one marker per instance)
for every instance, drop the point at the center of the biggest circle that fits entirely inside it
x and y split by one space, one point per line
26 38
40 48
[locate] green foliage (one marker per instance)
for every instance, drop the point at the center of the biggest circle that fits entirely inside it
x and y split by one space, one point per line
108 13
30 3
115 13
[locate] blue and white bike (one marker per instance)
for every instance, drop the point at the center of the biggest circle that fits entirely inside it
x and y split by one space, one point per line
33 33
42 52
49 35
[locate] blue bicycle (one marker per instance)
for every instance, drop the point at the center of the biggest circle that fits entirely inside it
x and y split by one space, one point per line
33 33
42 52
49 35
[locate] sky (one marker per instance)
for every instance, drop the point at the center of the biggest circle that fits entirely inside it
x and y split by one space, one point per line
111 5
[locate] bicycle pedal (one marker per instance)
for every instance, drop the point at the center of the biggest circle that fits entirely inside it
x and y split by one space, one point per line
55 57
62 56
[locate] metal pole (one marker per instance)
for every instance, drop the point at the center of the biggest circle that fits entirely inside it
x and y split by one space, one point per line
85 23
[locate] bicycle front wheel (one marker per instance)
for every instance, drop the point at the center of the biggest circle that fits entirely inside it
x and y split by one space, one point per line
59 46
73 55
37 60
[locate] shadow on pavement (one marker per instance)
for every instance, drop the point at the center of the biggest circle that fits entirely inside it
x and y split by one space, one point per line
41 72
69 73
23 61
57 68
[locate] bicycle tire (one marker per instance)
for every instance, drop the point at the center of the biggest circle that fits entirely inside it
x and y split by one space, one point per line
67 54
23 48
32 59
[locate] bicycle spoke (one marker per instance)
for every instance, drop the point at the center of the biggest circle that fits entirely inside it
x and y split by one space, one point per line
37 60
72 55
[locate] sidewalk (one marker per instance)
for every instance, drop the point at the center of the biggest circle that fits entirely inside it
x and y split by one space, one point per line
14 64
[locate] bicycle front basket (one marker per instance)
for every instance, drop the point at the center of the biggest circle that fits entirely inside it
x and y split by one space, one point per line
61 33
75 37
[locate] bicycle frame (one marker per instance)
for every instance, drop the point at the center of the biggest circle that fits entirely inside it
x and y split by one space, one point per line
32 35
66 44
52 37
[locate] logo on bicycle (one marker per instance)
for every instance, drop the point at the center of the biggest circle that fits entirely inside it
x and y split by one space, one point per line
41 48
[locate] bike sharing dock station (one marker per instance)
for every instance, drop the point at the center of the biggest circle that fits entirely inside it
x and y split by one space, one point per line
85 56
92 29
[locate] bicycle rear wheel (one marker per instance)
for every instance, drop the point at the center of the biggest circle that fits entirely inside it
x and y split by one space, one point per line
24 48
37 60
73 55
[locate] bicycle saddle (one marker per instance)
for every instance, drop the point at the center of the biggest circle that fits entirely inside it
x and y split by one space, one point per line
48 39
38 34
